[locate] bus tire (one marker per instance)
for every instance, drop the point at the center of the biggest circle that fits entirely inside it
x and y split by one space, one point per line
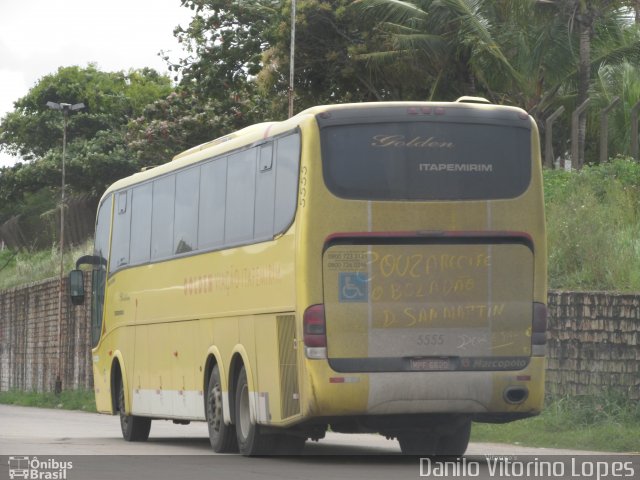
418 443
221 436
251 441
134 428
456 443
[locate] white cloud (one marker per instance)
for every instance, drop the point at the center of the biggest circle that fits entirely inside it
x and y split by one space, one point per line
38 36
7 160
12 88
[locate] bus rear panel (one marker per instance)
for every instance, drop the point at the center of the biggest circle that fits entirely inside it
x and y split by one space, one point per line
425 243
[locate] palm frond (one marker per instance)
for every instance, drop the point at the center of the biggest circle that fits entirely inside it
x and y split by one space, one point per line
395 11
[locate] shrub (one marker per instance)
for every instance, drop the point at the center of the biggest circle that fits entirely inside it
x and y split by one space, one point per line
593 226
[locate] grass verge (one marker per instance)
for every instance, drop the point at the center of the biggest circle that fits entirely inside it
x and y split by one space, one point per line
67 400
20 268
593 220
607 423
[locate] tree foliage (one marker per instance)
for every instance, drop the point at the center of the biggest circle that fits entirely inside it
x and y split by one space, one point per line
110 98
329 38
241 49
217 93
223 45
97 152
182 120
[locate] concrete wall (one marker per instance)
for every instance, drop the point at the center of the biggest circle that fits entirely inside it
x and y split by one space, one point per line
29 339
593 341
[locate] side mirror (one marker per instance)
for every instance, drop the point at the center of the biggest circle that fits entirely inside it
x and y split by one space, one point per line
76 287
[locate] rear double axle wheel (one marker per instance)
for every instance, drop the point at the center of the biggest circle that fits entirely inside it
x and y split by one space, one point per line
221 436
252 439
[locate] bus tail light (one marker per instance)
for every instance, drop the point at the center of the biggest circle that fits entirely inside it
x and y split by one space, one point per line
539 329
315 332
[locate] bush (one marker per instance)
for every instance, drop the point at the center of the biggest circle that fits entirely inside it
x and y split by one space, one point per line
66 400
593 226
607 408
21 268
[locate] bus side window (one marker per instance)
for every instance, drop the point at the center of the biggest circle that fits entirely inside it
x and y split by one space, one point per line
164 191
213 194
121 232
265 193
241 178
140 224
101 250
186 211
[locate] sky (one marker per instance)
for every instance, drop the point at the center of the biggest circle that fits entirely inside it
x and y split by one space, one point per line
38 36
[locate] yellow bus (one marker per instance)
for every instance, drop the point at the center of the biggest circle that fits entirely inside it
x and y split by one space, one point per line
375 267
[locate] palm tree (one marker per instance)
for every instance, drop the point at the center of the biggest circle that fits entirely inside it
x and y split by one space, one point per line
621 80
531 53
451 41
602 32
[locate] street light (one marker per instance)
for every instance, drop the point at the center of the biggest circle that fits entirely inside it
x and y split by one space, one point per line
66 108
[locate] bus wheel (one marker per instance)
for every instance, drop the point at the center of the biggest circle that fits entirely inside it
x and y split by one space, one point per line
134 429
221 436
251 441
456 443
418 443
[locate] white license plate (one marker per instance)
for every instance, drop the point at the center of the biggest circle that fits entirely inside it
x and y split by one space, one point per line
430 364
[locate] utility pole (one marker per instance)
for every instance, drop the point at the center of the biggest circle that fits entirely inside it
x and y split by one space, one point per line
292 56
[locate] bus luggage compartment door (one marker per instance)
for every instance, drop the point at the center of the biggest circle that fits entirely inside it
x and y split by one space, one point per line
410 306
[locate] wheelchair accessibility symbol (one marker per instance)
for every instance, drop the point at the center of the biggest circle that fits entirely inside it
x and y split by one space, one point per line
354 287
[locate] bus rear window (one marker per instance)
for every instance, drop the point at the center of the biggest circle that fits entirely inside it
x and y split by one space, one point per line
424 160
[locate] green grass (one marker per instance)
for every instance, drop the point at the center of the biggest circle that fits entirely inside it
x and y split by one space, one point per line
608 423
593 220
67 400
21 268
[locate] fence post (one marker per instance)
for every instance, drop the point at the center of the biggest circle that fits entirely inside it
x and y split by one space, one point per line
634 131
604 129
548 137
575 148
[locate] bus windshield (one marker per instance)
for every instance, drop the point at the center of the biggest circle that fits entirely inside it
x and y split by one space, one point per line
426 160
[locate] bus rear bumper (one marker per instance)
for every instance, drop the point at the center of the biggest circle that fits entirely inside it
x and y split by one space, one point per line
391 393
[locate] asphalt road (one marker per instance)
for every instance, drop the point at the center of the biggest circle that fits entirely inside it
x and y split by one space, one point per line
94 445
